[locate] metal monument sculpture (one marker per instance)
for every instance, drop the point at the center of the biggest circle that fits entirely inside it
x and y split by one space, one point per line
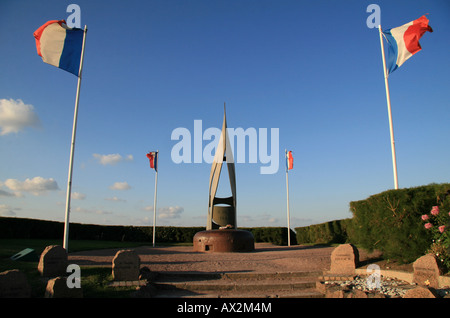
222 215
221 233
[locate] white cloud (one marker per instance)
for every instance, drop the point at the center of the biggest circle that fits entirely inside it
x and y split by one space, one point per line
111 159
267 219
36 186
92 211
120 186
6 210
272 220
16 116
115 199
4 193
78 196
171 212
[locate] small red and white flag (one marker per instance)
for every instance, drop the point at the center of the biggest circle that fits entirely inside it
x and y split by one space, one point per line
289 161
153 157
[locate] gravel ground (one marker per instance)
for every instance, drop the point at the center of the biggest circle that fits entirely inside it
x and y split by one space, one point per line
390 287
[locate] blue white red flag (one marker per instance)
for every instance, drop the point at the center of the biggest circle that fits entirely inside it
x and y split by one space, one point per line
59 45
404 41
153 157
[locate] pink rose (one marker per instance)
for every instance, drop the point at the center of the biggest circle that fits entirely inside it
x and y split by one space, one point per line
425 217
442 228
428 226
435 210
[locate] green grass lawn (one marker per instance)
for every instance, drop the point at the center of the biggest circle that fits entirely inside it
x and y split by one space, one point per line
94 280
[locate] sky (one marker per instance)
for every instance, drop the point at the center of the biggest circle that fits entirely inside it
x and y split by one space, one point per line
309 70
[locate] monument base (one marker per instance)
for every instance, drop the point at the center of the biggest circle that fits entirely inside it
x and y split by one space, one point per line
224 241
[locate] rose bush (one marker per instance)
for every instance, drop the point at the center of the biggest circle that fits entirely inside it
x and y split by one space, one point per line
438 222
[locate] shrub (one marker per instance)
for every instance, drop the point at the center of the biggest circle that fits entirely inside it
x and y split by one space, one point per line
390 221
437 222
324 233
31 228
274 235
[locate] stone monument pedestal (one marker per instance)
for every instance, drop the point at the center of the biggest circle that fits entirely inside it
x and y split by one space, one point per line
224 241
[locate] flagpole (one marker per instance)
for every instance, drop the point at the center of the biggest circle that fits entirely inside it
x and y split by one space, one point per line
287 188
391 129
154 204
72 148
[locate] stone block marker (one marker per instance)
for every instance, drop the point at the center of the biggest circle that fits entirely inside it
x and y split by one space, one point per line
53 261
57 288
14 284
419 292
126 265
426 271
344 260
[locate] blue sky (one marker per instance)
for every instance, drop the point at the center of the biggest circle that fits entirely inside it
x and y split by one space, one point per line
312 69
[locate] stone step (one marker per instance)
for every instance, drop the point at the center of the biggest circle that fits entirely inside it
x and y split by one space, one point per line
306 293
237 285
183 276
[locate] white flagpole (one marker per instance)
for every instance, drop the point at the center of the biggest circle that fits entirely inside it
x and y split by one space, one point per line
391 129
72 148
287 190
154 204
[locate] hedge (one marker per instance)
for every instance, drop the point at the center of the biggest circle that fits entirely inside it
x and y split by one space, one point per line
30 228
274 235
389 221
40 229
324 233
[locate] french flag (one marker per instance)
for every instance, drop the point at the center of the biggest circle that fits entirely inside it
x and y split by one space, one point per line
153 157
404 41
289 161
59 45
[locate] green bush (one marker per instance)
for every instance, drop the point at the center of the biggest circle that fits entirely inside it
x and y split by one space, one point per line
34 229
324 233
437 223
30 228
274 235
40 229
391 221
